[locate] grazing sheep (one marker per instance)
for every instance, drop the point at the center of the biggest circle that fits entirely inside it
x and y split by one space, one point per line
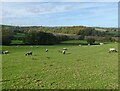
63 51
88 44
112 50
80 45
46 50
101 43
28 53
5 52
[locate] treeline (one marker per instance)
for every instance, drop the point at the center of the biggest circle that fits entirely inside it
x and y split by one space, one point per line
77 30
38 35
33 37
7 35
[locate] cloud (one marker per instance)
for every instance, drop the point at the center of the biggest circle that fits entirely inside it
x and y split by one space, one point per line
56 13
46 8
34 9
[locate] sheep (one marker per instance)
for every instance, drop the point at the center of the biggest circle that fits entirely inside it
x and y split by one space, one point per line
28 53
80 45
46 50
112 50
63 51
5 52
101 43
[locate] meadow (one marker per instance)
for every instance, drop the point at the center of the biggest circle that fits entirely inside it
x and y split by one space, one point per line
82 67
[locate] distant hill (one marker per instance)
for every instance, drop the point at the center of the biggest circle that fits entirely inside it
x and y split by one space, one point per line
60 29
62 33
105 29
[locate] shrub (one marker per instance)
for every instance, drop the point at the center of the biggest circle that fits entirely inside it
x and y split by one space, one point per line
90 40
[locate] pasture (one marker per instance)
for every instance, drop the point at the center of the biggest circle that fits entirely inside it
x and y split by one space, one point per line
85 67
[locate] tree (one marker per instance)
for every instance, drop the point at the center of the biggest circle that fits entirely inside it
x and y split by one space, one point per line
91 41
36 37
81 37
7 36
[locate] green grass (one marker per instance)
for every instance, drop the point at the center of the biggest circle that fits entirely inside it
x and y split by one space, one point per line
82 68
76 42
17 42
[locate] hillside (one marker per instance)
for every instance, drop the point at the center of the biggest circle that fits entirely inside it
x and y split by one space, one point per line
59 33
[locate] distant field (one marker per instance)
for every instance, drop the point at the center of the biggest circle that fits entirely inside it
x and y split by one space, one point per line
76 42
68 42
17 42
81 68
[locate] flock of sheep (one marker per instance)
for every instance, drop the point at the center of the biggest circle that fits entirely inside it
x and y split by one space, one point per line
64 51
30 52
111 50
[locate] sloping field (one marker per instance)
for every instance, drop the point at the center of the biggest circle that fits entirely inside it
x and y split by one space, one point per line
80 68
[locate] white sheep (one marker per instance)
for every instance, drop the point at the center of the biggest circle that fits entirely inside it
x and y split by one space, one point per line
101 43
28 53
46 50
112 50
5 52
63 51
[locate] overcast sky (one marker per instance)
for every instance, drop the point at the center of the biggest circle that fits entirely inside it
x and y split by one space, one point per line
101 14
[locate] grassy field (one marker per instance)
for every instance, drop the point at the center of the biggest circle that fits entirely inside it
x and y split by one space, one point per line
81 68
